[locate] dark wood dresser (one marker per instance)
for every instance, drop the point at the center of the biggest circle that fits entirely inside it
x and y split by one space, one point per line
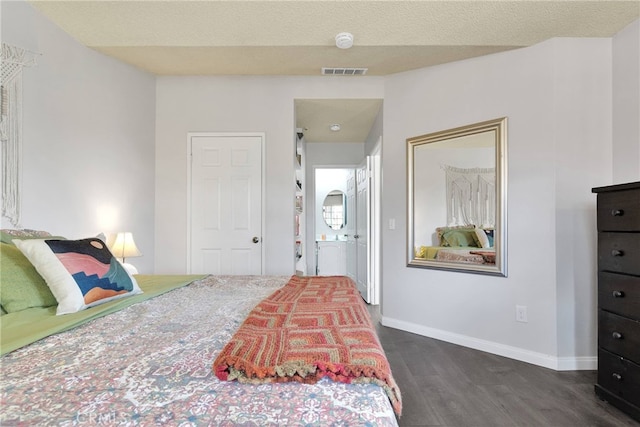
618 216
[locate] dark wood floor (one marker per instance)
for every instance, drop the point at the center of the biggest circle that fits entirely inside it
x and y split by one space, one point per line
445 384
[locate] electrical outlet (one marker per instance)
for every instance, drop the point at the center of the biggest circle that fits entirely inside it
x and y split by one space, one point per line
521 313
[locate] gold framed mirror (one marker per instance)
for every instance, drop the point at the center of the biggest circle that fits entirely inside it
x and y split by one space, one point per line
457 199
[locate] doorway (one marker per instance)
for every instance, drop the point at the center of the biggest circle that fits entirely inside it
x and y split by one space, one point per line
342 133
334 221
346 217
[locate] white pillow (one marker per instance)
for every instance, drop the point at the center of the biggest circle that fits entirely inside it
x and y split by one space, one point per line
483 240
80 273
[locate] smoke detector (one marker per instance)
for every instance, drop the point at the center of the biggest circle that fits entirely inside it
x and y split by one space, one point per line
335 127
344 40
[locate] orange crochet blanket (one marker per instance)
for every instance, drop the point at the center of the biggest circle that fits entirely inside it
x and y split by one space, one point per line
311 328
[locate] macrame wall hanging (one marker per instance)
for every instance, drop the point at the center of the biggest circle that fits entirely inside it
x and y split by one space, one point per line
471 196
14 59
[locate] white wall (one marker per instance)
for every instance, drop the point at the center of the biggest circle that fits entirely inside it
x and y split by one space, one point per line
626 104
373 140
582 143
557 97
331 154
236 104
88 137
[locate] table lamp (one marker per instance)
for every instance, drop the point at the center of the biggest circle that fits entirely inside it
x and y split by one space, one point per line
125 247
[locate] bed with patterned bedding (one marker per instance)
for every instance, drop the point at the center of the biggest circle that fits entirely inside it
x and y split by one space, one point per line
83 342
465 244
150 363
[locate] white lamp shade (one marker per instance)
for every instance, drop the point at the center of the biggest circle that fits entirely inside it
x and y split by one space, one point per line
124 246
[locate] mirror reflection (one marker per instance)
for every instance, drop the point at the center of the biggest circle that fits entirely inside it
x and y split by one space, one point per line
334 210
456 199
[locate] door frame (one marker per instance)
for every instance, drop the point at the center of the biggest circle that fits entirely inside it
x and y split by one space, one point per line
375 225
262 136
368 215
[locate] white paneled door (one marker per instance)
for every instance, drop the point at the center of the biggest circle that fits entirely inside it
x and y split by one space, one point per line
225 206
349 229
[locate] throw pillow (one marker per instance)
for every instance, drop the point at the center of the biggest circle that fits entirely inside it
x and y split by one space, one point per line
21 286
463 238
490 233
80 273
483 240
8 234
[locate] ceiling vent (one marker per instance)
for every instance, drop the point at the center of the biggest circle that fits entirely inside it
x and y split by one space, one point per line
326 71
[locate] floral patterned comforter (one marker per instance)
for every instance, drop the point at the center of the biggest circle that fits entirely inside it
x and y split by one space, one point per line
151 364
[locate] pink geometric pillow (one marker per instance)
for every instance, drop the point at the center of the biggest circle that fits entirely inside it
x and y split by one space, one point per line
80 273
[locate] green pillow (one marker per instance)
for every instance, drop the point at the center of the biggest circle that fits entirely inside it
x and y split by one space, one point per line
460 237
21 286
8 234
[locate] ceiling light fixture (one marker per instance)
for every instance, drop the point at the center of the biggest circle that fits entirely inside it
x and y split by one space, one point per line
344 40
335 127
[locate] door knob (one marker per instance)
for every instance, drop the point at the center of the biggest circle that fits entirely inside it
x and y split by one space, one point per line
255 239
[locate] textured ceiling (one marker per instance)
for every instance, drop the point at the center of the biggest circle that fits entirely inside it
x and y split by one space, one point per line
271 37
355 117
186 37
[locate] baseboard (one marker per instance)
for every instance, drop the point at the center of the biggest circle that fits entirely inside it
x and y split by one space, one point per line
539 359
582 363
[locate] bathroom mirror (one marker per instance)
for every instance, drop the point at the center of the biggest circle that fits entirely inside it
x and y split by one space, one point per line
457 199
334 210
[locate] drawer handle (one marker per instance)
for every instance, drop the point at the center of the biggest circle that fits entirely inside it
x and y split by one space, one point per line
617 212
617 376
617 252
616 335
618 294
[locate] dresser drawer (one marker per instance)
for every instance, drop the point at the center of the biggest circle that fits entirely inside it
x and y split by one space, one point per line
619 211
619 294
619 376
619 335
619 252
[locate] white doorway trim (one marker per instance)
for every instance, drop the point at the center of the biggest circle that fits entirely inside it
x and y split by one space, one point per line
375 230
262 137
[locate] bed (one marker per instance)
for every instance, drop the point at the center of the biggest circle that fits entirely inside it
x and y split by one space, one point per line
460 244
148 359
